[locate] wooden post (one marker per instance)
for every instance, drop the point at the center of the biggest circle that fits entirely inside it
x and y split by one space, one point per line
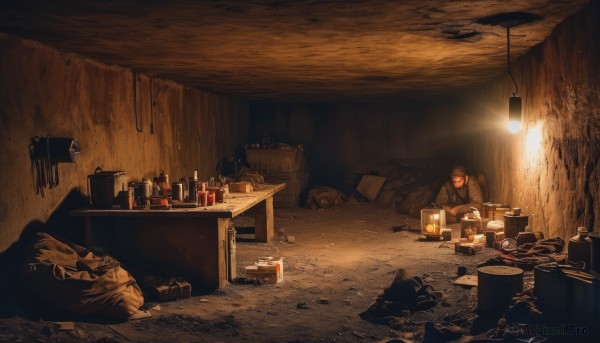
223 254
263 221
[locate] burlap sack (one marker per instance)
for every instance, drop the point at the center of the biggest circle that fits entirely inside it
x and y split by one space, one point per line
74 279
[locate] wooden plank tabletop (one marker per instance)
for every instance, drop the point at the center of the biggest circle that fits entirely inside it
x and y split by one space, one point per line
235 204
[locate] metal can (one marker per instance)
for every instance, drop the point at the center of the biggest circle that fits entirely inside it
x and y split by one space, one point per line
177 191
193 194
210 198
202 198
146 186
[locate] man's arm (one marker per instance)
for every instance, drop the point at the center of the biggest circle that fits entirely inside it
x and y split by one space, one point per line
442 198
475 198
475 195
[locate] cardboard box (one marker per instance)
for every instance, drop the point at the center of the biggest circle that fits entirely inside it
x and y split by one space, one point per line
267 270
240 187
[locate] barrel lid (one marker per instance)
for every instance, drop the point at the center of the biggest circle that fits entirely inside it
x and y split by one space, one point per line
500 270
491 204
511 215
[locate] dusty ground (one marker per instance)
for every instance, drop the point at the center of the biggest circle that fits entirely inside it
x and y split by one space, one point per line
341 260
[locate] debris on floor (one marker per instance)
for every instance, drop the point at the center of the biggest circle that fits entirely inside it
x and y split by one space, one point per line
65 326
529 255
398 228
466 280
161 289
403 298
325 197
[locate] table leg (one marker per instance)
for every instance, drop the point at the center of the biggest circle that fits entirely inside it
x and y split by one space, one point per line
263 220
223 253
88 234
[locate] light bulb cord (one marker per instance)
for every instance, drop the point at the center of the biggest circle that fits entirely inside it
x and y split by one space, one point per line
508 60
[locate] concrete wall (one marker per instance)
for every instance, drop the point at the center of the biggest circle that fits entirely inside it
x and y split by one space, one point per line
46 92
551 169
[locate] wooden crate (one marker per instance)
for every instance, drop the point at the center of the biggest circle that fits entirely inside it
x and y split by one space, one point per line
295 184
265 161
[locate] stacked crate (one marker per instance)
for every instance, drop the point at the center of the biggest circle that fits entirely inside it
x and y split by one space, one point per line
283 165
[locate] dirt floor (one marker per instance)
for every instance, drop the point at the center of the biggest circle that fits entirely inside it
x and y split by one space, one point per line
341 260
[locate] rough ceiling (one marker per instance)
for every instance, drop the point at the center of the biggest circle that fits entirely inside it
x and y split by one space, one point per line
294 50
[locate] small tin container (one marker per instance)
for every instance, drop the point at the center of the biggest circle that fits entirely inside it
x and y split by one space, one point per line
177 191
126 199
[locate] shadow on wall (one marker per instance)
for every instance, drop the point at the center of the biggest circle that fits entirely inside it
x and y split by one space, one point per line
14 299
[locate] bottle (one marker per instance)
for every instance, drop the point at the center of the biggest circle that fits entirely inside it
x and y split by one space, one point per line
193 187
167 186
161 180
580 248
477 216
186 191
266 141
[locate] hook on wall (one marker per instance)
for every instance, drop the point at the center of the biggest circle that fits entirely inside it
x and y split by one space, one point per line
134 75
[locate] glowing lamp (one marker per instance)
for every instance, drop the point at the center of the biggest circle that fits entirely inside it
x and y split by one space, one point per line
514 114
433 221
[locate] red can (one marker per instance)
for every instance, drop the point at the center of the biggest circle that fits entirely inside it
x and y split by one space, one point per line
202 198
211 198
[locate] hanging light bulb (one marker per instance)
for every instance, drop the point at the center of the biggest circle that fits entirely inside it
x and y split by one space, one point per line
514 102
514 114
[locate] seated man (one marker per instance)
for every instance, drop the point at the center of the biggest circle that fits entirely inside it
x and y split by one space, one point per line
459 194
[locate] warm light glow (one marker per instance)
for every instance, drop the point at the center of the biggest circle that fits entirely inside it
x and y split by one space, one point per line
514 126
533 141
436 217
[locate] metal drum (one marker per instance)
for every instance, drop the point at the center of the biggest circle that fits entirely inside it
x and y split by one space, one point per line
496 287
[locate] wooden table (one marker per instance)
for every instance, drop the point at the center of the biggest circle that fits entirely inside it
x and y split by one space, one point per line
190 243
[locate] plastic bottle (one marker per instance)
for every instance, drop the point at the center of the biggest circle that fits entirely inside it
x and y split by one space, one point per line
580 248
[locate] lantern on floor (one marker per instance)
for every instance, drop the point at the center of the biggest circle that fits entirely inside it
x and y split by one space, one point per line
470 225
433 221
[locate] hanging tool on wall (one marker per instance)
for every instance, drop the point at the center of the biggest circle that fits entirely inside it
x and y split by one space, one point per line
152 104
45 154
135 76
